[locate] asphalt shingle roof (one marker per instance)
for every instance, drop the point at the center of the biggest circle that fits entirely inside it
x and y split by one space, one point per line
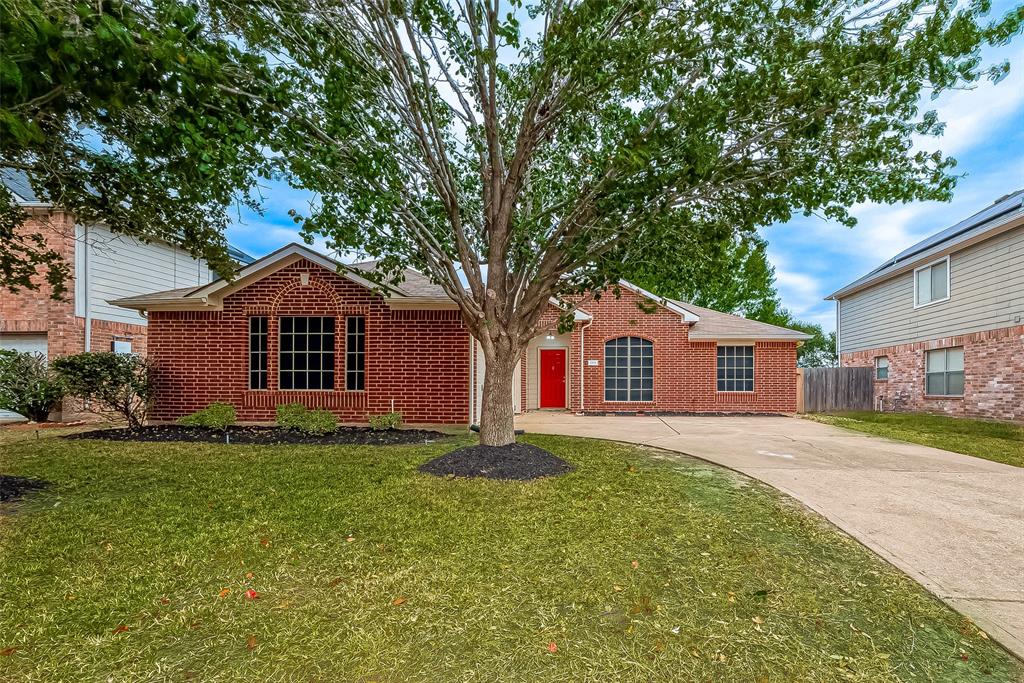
717 325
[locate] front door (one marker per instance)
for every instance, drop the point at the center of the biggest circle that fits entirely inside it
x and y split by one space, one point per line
552 378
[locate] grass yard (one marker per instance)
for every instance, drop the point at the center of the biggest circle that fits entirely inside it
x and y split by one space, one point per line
638 566
998 441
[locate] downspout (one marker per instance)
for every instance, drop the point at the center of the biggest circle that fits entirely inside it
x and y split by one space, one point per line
583 362
85 287
472 380
839 308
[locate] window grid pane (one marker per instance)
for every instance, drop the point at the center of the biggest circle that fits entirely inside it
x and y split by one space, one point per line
355 353
629 370
258 352
306 353
944 372
735 368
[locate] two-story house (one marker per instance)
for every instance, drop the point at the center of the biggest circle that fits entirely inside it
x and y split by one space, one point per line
942 323
104 267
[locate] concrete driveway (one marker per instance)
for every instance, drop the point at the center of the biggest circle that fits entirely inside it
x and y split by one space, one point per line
952 522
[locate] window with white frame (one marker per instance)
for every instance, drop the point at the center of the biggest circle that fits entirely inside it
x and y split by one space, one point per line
735 368
882 367
355 353
258 352
944 372
931 283
629 369
306 356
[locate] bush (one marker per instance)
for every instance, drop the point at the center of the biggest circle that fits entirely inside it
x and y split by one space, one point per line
119 382
386 421
296 416
215 416
28 385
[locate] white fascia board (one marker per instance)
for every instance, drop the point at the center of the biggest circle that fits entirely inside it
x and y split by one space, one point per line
688 316
578 315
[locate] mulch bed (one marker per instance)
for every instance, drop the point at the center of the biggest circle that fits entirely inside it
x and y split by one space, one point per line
263 435
514 462
12 488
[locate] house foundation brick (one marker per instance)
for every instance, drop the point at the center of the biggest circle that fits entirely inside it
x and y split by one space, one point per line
993 375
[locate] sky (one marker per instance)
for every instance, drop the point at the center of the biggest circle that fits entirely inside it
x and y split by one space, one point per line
813 257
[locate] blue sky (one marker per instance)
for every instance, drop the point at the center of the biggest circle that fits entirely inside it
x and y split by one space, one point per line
814 257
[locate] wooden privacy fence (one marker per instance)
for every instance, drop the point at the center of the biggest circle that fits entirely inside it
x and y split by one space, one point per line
829 389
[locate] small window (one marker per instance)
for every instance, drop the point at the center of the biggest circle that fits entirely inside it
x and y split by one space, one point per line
355 353
735 368
258 352
629 370
882 367
306 353
944 372
931 283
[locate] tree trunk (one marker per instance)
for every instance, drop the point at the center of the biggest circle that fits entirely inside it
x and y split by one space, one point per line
497 425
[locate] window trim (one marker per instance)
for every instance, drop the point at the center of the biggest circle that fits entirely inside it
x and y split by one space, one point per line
925 267
753 368
334 354
362 353
629 375
888 364
945 373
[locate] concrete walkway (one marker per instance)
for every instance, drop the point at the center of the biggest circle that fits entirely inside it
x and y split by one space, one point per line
952 522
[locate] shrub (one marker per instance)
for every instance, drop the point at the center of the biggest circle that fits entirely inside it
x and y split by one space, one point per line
290 415
296 416
215 416
118 382
28 385
386 421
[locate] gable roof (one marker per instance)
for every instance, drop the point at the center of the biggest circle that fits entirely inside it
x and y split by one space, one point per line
416 289
717 325
994 217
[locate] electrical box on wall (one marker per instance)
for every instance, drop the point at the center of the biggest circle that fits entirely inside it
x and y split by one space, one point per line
121 346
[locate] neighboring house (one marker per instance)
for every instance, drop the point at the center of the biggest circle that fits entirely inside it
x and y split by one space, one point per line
293 327
103 266
942 322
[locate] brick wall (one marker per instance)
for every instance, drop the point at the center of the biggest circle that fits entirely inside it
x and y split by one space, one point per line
685 371
993 374
418 359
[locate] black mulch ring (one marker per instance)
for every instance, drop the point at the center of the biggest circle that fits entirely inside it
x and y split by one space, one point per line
515 462
263 435
12 488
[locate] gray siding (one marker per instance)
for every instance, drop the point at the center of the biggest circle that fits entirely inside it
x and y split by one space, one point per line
986 286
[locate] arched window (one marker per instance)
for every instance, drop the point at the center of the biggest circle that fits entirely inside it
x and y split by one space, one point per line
628 369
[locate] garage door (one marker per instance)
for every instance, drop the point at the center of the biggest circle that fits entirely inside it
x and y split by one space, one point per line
35 343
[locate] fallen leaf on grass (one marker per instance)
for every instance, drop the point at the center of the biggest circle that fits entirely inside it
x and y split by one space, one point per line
634 564
983 635
334 583
165 601
757 620
251 594
265 542
552 647
249 575
617 589
224 592
121 628
7 651
250 643
399 601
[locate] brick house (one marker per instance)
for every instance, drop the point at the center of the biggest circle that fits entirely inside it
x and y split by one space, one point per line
296 326
942 323
103 266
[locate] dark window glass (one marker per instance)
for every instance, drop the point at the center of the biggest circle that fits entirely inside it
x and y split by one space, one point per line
629 369
306 353
355 353
735 368
258 352
944 372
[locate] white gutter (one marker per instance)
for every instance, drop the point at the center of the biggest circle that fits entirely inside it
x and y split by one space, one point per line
472 380
583 362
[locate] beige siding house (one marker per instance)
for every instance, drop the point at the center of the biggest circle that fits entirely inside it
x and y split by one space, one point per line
942 323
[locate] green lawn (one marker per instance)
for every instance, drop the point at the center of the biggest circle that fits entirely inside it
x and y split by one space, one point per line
638 566
996 441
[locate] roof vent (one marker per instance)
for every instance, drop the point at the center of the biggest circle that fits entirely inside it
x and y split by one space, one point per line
304 279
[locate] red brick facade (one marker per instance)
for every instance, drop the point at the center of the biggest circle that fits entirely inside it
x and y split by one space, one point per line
417 361
993 375
36 312
685 371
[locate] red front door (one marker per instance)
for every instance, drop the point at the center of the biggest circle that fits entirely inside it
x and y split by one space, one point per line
552 378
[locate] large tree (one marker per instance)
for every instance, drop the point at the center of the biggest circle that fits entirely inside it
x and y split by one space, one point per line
519 151
127 113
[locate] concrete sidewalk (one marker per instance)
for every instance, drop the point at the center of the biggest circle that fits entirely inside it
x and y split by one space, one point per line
952 522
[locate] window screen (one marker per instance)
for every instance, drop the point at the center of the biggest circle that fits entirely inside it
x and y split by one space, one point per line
628 369
735 368
306 353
